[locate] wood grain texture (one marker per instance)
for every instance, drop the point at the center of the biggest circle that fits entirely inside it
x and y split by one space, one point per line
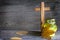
20 14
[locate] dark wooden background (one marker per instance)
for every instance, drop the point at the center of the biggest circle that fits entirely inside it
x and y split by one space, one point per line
20 14
17 15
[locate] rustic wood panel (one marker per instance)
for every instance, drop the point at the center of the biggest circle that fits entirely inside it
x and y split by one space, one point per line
20 14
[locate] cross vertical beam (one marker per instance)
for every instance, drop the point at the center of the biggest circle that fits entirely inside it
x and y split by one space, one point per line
42 13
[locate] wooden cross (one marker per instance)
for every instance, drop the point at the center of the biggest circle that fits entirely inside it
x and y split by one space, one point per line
42 9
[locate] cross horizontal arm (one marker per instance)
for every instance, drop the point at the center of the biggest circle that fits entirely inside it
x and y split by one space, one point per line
46 9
